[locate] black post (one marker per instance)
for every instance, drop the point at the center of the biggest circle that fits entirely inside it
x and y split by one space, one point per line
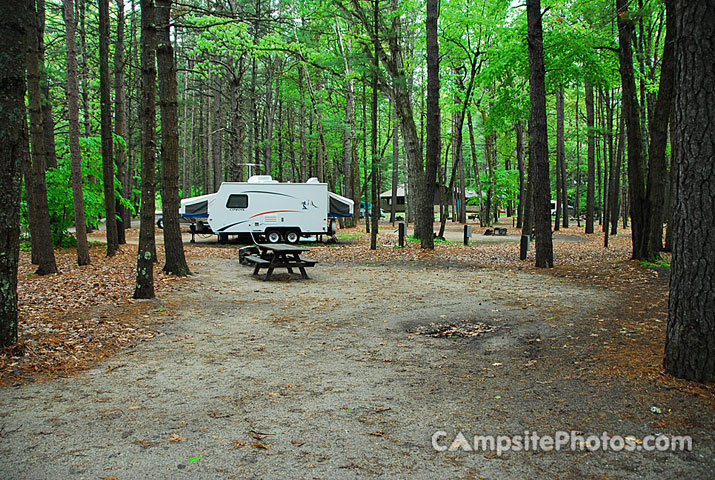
401 234
467 233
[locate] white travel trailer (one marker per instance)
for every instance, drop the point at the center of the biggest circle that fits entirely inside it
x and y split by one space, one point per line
268 210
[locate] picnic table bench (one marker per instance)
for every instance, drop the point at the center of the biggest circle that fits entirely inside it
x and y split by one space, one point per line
280 255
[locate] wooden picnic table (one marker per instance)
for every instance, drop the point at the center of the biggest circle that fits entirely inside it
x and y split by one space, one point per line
280 255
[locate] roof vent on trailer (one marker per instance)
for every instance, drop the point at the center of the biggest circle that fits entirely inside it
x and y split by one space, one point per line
313 180
261 179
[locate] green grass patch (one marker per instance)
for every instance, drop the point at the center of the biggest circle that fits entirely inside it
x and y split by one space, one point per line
411 238
348 235
655 263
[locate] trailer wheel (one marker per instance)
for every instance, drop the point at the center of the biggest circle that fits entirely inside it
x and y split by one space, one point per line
292 236
274 236
160 223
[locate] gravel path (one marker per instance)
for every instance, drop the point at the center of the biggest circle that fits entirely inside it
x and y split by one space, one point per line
326 378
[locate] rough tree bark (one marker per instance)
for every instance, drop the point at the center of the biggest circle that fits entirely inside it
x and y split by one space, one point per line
631 113
538 143
520 163
561 158
348 134
216 137
45 252
14 18
395 166
106 121
657 162
690 338
48 123
528 225
591 159
119 121
73 118
433 140
373 133
169 106
147 244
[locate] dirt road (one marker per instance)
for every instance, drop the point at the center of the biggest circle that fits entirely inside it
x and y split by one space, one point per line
334 377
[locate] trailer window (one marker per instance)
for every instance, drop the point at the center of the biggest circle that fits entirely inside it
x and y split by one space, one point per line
237 201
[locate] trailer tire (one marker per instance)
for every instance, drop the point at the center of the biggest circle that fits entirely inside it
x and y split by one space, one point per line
292 236
160 223
274 236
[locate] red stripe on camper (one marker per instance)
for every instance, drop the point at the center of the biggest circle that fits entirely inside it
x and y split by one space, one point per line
275 211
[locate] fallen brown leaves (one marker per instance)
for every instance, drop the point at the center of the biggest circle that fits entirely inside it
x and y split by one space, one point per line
70 320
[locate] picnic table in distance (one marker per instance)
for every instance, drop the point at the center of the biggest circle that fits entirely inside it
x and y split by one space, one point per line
280 255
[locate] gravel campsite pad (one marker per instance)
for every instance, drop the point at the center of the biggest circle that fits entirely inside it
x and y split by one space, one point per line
349 375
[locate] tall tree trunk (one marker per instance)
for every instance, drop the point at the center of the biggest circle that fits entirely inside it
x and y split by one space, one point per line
690 338
561 156
73 117
522 170
30 196
46 255
591 173
216 133
302 128
169 106
489 141
528 226
395 166
348 134
129 182
399 91
538 143
269 115
83 70
186 144
239 125
657 163
107 140
605 126
636 176
475 163
119 119
48 124
433 141
15 16
208 176
673 179
577 200
147 244
373 133
616 178
364 155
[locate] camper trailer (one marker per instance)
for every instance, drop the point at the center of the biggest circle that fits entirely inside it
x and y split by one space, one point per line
267 209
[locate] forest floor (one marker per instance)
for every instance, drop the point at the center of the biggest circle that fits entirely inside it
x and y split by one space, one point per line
351 373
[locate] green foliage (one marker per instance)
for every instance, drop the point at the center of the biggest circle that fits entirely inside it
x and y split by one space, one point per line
59 190
506 186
